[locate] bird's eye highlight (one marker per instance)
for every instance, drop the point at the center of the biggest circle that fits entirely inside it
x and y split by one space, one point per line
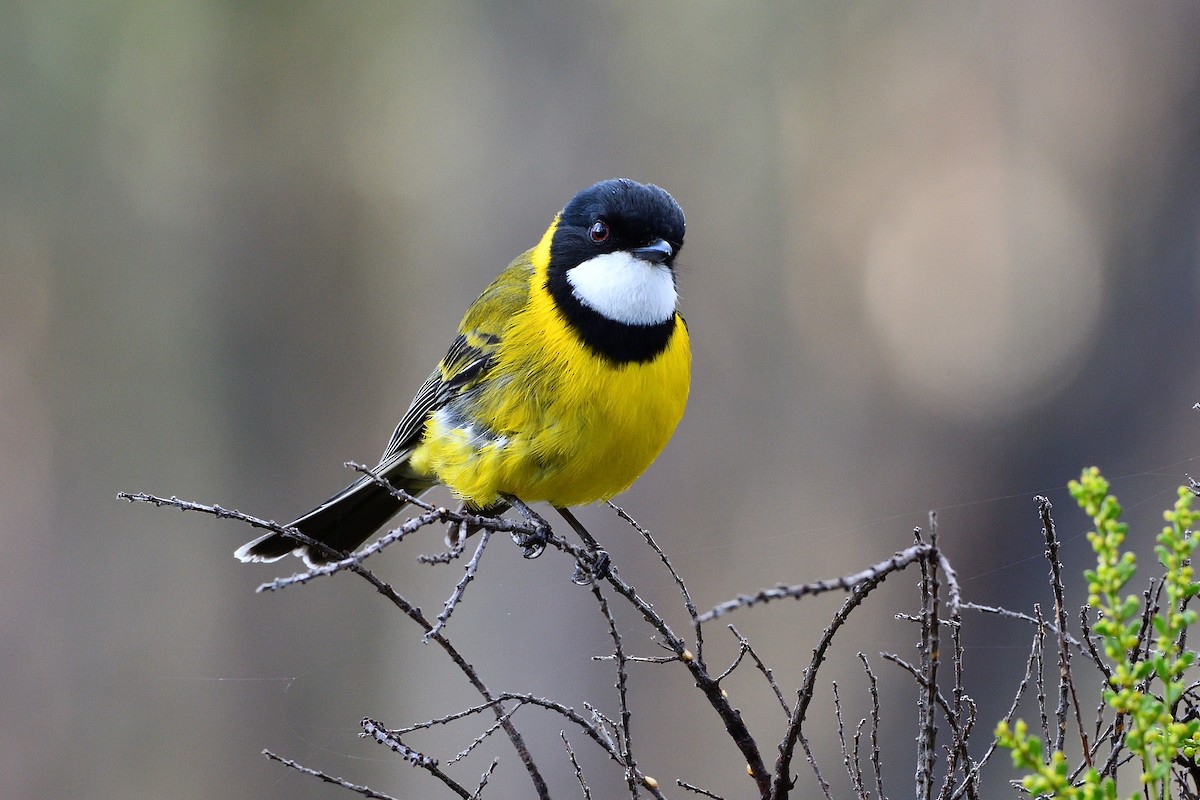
599 231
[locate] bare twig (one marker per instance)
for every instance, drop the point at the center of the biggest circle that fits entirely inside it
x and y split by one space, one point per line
478 740
876 757
608 729
705 792
1060 620
365 791
959 755
623 729
954 593
448 718
812 762
1151 602
587 792
612 733
391 537
858 729
930 632
395 491
1004 612
850 762
1040 679
484 778
736 661
459 588
1090 641
683 590
764 669
872 574
640 659
446 556
389 740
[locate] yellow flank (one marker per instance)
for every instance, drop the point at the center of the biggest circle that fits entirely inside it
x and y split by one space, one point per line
550 421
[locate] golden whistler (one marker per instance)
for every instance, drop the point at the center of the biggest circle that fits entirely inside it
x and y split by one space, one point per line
567 377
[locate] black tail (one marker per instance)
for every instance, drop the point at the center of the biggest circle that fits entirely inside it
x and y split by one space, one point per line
342 522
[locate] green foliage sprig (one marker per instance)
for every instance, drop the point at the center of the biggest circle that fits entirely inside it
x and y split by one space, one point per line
1144 691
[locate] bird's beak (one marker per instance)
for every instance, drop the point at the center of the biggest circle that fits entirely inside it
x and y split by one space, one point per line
656 252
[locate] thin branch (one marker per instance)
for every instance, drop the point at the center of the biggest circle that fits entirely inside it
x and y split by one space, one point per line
959 754
930 649
876 757
641 659
1090 641
683 590
623 729
478 740
1004 612
953 592
1151 602
608 729
872 574
593 733
448 718
736 662
1060 620
764 669
705 792
389 740
459 588
395 491
462 516
1040 680
812 762
365 791
587 792
447 556
851 764
483 779
572 716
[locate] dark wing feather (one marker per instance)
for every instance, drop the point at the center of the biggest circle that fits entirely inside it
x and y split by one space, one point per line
469 358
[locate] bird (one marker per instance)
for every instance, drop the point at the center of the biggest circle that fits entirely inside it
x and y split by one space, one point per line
566 379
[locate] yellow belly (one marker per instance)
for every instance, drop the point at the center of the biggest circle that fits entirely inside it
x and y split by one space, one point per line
554 423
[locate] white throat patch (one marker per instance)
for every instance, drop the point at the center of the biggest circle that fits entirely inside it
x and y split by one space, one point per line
625 289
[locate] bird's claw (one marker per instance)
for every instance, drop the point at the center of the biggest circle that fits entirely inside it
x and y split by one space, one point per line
597 570
532 544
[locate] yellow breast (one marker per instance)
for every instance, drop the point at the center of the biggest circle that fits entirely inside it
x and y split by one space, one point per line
553 422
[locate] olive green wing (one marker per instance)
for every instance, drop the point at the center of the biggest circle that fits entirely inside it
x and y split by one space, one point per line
470 356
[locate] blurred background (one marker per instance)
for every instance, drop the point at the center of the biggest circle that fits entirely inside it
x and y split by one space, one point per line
940 256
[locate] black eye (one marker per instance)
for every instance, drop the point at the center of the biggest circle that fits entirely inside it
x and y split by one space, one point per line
599 231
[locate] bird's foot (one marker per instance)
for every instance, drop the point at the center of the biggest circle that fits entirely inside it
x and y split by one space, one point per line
596 567
533 544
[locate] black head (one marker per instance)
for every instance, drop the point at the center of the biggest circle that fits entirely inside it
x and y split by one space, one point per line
611 268
618 215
